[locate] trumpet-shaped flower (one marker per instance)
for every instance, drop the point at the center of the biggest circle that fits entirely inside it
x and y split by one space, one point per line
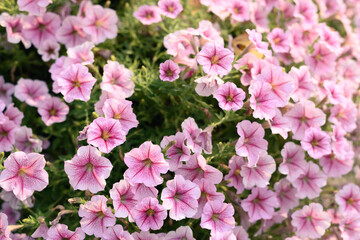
316 142
218 217
230 97
61 231
293 161
169 71
348 198
234 177
52 110
31 91
123 198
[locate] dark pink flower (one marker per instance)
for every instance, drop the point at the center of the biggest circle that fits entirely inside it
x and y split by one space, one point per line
61 231
31 91
24 174
149 214
218 217
181 197
76 83
7 135
123 198
170 8
316 142
279 40
251 142
148 15
116 232
293 161
52 110
6 91
96 216
310 221
234 177
87 170
230 97
260 204
71 32
348 198
215 59
35 7
122 111
145 164
169 71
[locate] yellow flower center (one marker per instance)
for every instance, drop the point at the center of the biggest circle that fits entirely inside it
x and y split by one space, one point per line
52 112
89 166
147 162
22 172
215 59
150 212
105 135
117 116
76 83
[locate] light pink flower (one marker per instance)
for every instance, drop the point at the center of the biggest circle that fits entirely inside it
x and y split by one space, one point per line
197 168
24 174
82 53
336 165
279 124
149 214
181 197
303 85
234 177
322 60
230 97
344 115
251 142
141 191
183 232
148 15
61 231
76 83
123 198
279 40
25 141
52 110
263 100
260 174
259 44
286 195
71 32
177 151
218 217
14 28
87 170
208 85
215 59
350 226
316 142
116 232
15 203
41 231
145 164
4 230
310 182
240 233
117 78
100 23
31 91
293 161
39 29
302 116
239 10
169 71
260 204
35 7
310 221
6 91
49 50
106 134
14 114
348 198
12 214
306 11
7 135
245 65
96 216
122 111
170 8
144 235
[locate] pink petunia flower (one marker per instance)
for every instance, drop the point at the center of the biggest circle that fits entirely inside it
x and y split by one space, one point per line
230 97
263 101
348 198
82 53
181 197
24 174
123 198
279 40
310 221
87 170
106 134
336 165
144 235
306 11
322 60
14 28
208 85
316 142
4 230
183 232
177 151
218 217
215 59
61 231
100 23
14 114
35 7
148 15
117 78
52 110
26 142
6 91
96 216
303 84
39 29
169 71
76 83
145 164
258 43
31 91
260 204
310 182
260 174
142 191
122 111
197 168
12 214
245 65
71 32
49 50
234 177
149 214
15 203
279 124
350 226
7 135
41 231
251 142
170 8
116 232
286 195
293 161
239 10
304 115
344 115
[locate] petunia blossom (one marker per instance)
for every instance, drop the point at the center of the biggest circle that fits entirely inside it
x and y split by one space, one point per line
4 230
123 198
316 142
7 135
49 50
322 60
348 198
230 97
61 231
234 177
25 140
71 32
6 91
52 110
170 8
286 195
350 226
31 91
218 217
183 232
263 101
82 53
35 7
279 40
24 174
148 15
169 71
14 28
293 161
87 170
116 232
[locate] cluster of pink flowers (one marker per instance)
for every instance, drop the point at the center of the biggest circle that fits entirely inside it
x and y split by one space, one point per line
298 80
